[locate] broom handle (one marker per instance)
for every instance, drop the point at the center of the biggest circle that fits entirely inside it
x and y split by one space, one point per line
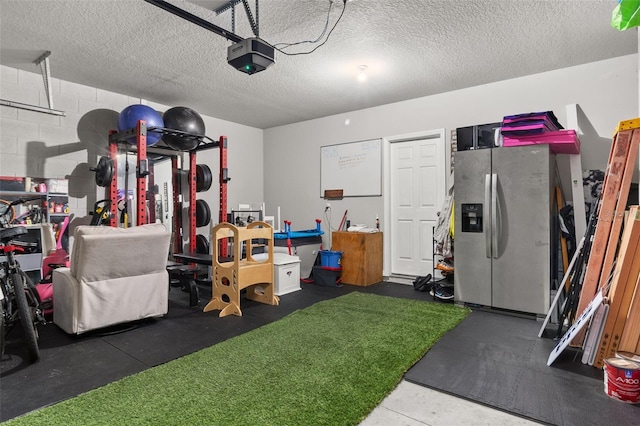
344 217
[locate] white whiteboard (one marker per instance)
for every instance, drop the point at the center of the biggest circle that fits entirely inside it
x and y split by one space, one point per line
354 167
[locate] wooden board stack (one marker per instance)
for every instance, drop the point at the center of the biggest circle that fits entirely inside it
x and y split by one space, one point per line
621 292
630 340
610 214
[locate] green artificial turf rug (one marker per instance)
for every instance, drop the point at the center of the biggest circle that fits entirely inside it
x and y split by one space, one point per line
331 363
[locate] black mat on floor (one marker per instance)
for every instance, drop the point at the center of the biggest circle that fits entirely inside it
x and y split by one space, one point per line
71 365
498 360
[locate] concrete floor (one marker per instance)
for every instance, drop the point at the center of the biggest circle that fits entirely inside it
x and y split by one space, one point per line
412 405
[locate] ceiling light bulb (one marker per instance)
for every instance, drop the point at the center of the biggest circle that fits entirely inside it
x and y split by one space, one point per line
362 76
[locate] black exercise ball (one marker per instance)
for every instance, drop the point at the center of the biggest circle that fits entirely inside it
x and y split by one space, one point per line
186 120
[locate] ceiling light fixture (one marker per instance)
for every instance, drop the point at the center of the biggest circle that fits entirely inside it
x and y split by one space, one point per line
362 76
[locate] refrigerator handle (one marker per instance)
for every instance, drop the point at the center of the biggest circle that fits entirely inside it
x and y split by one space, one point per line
487 205
494 215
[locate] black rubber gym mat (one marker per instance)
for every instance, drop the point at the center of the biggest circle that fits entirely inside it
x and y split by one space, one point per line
498 360
71 365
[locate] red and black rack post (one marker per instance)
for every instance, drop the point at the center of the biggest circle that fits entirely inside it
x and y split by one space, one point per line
192 201
177 206
142 171
113 185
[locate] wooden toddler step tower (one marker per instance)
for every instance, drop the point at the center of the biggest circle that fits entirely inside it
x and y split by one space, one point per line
229 277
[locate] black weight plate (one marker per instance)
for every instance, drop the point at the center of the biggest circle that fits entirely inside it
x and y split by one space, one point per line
203 213
202 244
104 171
204 178
208 178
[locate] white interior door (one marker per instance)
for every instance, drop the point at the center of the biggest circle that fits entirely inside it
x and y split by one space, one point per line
417 191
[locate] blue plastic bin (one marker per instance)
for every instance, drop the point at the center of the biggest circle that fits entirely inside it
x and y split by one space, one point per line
330 259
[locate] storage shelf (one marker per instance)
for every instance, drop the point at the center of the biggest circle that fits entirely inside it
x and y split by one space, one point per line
48 196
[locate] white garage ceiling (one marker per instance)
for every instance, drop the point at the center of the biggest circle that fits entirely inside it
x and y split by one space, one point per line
412 48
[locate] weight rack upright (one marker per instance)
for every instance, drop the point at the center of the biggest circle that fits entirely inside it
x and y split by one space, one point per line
118 141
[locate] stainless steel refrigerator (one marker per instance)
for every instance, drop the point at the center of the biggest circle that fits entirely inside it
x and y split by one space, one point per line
504 199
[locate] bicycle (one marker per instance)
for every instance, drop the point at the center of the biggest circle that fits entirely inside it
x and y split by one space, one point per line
19 300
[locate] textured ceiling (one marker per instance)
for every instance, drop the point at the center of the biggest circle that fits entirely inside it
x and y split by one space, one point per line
412 48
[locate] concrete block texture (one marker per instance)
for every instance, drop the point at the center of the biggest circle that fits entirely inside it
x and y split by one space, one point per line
15 93
17 128
8 112
116 101
78 90
34 79
8 75
38 117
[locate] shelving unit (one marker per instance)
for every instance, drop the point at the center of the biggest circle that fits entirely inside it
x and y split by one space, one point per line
31 262
438 282
42 203
53 206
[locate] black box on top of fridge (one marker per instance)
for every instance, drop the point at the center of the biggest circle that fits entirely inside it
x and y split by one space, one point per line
478 137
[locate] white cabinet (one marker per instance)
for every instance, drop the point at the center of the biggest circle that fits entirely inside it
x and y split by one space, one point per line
287 273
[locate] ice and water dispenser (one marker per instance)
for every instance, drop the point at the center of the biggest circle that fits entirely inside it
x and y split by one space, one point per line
471 218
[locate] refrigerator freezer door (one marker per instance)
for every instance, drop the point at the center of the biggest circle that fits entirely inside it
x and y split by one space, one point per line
472 278
521 266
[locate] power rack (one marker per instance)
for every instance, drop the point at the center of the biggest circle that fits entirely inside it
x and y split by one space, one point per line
118 142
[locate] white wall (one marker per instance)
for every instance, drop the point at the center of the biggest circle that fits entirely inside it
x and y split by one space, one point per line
41 145
607 92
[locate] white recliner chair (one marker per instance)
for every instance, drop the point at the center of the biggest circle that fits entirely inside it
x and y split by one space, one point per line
116 275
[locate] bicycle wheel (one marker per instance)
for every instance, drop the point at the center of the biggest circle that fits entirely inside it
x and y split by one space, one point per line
7 212
26 315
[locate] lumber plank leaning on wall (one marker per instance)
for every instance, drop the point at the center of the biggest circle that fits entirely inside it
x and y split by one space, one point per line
623 286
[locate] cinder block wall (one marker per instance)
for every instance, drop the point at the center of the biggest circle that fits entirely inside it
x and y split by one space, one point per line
40 145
